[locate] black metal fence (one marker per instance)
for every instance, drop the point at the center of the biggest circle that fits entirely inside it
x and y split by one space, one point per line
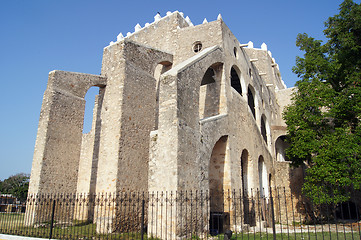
274 214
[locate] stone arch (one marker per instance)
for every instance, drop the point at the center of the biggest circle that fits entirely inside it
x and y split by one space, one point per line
217 184
62 121
263 177
251 99
244 172
179 118
216 174
88 162
210 91
247 191
160 68
183 81
280 148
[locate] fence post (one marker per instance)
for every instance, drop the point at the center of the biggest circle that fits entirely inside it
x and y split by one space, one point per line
272 215
142 221
52 220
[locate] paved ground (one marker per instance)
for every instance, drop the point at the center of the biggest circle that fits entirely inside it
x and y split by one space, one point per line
11 237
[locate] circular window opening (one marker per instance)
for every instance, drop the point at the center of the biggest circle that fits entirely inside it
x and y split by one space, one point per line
235 52
197 47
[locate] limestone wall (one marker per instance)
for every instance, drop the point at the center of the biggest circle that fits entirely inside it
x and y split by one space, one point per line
127 115
180 107
58 143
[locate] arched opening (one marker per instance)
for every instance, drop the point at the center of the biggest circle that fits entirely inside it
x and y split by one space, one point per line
263 187
244 172
263 128
89 152
281 145
263 177
159 70
251 102
90 104
208 77
235 81
247 205
209 93
216 185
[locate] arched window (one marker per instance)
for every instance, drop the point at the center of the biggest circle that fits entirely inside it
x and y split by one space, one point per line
251 102
263 177
209 77
281 145
244 172
235 81
209 93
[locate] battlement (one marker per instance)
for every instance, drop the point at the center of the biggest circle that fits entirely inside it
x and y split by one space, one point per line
180 107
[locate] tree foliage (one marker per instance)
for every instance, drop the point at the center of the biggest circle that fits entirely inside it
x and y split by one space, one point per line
16 185
323 120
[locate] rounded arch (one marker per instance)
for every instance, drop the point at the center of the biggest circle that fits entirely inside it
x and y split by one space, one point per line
244 172
213 70
251 99
280 149
216 174
160 68
209 92
263 177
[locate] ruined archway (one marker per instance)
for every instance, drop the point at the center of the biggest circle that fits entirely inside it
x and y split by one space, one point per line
217 183
88 162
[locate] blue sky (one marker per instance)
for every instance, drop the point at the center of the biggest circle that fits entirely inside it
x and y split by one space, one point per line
39 36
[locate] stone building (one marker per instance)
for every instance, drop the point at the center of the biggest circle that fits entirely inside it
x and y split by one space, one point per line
180 107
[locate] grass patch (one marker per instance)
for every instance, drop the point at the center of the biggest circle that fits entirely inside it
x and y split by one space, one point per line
13 224
298 236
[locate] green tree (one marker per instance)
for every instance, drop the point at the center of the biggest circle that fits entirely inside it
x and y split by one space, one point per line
323 120
17 185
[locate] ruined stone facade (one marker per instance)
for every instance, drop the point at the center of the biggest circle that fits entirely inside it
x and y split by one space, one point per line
180 107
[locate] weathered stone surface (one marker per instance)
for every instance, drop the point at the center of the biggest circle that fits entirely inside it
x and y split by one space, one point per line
180 107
